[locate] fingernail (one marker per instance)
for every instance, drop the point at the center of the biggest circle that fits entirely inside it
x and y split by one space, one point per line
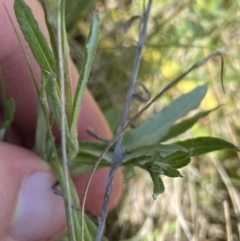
39 212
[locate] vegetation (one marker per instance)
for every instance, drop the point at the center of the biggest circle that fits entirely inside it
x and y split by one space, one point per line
179 35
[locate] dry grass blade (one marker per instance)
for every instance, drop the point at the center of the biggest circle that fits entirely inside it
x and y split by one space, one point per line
228 220
177 197
233 193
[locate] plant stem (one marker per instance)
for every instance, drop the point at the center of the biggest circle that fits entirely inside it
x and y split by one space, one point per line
119 150
68 200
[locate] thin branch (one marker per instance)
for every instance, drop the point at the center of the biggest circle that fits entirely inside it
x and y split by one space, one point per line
63 124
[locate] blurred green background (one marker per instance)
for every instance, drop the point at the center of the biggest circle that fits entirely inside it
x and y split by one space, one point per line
204 205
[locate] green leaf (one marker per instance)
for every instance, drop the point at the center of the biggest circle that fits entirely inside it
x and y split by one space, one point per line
158 186
42 122
153 130
41 133
9 109
89 55
177 160
147 151
34 36
52 93
94 149
50 12
87 155
83 165
162 168
166 165
53 97
202 145
183 126
172 172
129 173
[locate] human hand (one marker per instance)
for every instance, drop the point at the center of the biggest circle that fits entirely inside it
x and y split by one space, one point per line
28 208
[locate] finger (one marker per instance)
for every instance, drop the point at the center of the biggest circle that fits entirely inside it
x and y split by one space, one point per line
29 209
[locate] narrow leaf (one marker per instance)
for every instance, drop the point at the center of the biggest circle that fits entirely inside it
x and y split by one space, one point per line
202 145
183 126
158 186
147 151
153 130
41 133
89 55
177 159
34 36
50 12
52 93
42 125
84 165
164 169
9 109
172 172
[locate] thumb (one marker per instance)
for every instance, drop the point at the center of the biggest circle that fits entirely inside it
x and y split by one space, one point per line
29 209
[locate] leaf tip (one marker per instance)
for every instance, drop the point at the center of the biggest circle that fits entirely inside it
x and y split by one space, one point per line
155 195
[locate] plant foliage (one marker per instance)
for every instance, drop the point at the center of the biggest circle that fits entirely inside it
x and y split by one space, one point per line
144 146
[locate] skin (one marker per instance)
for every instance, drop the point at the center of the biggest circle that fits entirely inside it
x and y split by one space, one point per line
16 162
